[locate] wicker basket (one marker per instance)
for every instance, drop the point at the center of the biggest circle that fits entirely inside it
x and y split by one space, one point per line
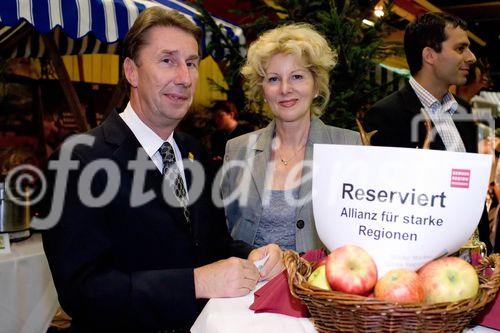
338 312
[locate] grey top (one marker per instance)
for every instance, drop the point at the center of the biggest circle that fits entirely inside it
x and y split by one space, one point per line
245 170
277 224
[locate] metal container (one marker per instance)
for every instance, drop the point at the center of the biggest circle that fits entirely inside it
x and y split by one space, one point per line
14 218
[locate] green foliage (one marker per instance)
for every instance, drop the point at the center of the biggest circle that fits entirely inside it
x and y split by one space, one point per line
230 66
359 47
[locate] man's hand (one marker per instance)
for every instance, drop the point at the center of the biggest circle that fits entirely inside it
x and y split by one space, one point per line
274 264
225 278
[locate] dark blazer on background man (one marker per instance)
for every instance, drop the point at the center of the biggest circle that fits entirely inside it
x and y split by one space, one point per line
130 269
392 118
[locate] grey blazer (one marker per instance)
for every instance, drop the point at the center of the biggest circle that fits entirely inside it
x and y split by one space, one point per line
244 175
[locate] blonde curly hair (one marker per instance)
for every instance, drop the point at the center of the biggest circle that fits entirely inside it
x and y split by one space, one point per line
300 39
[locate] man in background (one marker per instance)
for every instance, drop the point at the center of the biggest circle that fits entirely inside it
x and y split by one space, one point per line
477 80
227 128
437 51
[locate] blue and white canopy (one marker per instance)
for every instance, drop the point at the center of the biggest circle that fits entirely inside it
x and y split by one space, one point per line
107 20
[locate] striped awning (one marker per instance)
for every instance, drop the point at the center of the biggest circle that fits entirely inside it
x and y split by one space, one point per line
90 26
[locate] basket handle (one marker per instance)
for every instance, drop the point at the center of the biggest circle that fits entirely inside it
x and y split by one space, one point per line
298 269
493 262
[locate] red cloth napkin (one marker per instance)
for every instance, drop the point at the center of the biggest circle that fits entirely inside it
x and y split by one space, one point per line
490 317
275 296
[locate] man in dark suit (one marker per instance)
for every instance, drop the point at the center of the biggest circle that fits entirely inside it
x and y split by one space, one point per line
131 249
437 51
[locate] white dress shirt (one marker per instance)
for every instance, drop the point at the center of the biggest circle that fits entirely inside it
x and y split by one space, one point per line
440 113
150 141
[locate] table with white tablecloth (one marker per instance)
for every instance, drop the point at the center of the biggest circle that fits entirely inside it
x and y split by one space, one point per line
28 299
230 315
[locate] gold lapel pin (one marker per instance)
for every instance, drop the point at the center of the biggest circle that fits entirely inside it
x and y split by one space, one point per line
191 156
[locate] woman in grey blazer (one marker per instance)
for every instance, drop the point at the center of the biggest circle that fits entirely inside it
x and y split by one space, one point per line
266 183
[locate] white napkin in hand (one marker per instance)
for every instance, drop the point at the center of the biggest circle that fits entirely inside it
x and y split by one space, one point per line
261 262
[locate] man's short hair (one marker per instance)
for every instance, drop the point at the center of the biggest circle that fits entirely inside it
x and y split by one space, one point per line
224 106
428 30
151 17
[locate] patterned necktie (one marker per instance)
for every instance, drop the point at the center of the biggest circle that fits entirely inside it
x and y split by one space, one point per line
172 174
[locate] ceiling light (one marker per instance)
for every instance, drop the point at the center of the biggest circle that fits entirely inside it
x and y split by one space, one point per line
378 11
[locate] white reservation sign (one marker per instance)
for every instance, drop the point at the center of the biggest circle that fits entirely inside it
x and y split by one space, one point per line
404 206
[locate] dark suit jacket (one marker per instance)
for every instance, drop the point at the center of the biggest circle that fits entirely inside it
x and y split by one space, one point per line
392 117
130 269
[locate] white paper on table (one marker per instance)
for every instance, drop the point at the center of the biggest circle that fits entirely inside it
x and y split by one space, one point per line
229 315
351 194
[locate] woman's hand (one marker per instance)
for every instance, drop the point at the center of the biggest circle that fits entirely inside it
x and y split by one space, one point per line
273 265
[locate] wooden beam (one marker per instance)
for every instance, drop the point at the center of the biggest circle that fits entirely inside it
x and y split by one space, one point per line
403 13
476 38
483 5
38 119
81 72
478 12
16 36
427 5
66 85
430 7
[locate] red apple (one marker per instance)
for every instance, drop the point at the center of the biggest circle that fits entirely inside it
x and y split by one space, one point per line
448 279
318 278
351 269
401 286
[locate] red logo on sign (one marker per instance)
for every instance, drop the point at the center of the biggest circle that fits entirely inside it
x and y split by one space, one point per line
460 178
